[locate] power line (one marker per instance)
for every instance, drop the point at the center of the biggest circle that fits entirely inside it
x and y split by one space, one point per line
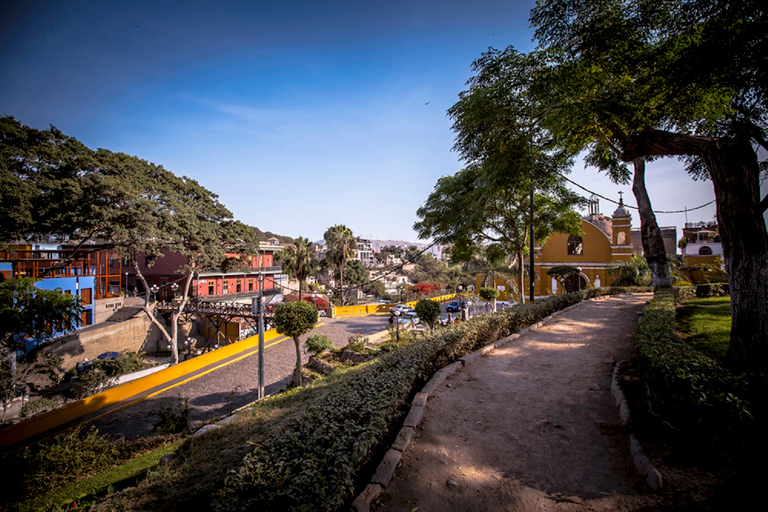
634 207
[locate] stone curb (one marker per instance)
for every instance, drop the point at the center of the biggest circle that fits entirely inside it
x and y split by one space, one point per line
386 469
644 466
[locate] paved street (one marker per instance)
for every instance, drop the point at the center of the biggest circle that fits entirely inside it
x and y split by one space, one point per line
236 384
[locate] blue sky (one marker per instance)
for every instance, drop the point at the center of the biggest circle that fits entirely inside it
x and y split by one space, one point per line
298 114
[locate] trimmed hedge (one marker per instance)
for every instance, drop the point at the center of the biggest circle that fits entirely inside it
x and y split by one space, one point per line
313 464
701 291
690 390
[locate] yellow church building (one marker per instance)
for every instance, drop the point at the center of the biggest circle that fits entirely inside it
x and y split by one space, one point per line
605 243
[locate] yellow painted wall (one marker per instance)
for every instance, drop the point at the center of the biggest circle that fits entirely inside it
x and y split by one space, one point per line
378 309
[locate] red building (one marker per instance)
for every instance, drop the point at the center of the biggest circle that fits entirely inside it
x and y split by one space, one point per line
213 284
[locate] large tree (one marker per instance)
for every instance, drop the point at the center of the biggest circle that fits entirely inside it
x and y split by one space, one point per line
59 187
628 80
341 244
486 205
162 213
683 78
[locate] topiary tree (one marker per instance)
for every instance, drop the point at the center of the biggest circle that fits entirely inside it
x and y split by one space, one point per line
428 311
489 295
318 344
294 319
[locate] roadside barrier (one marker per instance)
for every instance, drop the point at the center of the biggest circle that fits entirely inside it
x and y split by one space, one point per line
377 309
53 422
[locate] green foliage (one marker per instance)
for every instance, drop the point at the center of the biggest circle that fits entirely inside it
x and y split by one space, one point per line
172 417
100 374
295 318
357 343
298 260
341 244
313 463
355 273
318 344
477 207
24 308
692 391
428 312
635 272
68 458
41 405
488 294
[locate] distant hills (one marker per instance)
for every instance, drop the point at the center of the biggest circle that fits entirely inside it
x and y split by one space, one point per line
263 235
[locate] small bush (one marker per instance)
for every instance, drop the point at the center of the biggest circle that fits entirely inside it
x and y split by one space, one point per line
357 343
318 344
428 312
172 416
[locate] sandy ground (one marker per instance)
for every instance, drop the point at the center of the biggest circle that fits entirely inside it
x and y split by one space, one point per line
531 426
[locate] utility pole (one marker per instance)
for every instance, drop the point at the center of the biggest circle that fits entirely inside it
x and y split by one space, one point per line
530 272
260 303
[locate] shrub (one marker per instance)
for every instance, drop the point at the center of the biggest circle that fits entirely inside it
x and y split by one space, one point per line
428 312
318 344
357 343
692 391
68 458
172 417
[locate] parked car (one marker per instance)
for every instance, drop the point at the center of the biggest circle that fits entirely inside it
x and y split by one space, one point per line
410 317
455 306
402 308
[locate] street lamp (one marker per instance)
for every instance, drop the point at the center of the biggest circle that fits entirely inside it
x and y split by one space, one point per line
154 289
397 322
126 284
174 287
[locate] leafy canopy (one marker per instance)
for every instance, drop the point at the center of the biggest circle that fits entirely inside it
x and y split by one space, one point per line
24 308
295 318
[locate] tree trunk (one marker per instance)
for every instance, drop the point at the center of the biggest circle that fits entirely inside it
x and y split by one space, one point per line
297 377
521 277
151 314
732 164
653 243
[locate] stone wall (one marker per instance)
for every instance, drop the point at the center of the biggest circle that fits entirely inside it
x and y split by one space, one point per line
105 308
132 335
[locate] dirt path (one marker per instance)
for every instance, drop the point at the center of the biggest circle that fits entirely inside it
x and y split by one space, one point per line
530 426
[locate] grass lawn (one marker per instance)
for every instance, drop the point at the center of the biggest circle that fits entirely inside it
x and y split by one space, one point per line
707 325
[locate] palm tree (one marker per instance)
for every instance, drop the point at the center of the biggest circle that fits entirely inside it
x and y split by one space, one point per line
297 260
341 245
495 265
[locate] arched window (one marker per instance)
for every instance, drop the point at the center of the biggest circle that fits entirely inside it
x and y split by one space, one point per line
705 251
575 245
621 239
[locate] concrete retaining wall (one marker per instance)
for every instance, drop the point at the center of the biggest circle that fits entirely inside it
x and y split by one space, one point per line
105 308
132 335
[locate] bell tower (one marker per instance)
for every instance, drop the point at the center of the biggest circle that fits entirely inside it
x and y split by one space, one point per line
621 247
